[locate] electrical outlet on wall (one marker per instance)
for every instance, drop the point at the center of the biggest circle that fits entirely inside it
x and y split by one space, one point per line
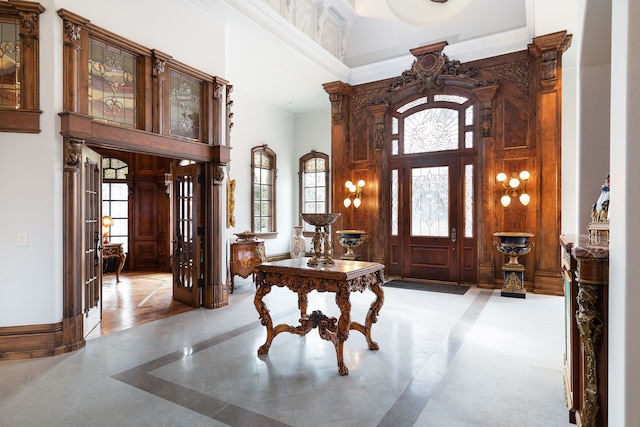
23 239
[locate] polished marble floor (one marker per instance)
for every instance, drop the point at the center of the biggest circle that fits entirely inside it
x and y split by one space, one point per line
477 359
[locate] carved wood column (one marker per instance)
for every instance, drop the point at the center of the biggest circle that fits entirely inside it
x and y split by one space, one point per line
485 194
340 106
29 54
159 92
380 184
547 53
72 320
72 92
216 292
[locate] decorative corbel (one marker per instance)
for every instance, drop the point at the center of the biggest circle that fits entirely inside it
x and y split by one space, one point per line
72 152
549 50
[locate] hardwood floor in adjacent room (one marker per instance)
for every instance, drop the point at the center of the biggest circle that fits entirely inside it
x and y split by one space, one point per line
138 298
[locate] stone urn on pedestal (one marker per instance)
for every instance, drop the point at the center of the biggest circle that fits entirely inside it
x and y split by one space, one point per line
513 244
350 239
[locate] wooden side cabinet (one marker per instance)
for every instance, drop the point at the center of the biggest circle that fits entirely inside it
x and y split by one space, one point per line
246 256
585 268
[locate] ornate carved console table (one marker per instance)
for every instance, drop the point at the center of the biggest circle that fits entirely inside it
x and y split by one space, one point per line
342 278
115 250
586 271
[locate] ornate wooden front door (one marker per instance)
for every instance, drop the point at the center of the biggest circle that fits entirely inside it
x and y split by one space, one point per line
91 245
432 230
188 235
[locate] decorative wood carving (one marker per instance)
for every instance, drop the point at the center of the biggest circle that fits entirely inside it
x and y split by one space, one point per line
590 326
516 73
429 65
342 278
73 152
506 102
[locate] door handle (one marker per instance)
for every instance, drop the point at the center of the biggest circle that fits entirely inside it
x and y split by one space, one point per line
454 234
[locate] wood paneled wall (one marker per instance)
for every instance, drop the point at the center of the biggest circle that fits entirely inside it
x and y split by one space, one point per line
149 211
519 120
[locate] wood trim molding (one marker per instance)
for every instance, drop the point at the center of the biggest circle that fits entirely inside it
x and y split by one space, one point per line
24 342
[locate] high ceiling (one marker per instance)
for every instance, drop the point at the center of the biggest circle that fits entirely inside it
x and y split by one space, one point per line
273 62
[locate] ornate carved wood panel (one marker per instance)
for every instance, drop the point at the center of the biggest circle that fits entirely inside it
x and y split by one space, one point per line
518 108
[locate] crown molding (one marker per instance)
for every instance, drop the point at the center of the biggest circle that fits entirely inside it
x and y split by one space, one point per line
272 21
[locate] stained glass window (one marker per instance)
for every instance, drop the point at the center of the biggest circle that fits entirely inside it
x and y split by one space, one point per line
434 129
184 112
9 64
112 83
430 201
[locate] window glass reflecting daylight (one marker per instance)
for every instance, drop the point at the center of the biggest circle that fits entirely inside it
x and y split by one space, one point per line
263 190
314 181
115 199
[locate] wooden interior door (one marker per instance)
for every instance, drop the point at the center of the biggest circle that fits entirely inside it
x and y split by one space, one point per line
92 233
432 231
188 235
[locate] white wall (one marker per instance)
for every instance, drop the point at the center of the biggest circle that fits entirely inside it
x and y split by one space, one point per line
31 168
624 268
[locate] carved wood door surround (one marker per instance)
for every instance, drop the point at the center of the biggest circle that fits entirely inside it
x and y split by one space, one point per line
517 114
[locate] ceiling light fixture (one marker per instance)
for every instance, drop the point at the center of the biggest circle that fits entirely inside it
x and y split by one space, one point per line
421 12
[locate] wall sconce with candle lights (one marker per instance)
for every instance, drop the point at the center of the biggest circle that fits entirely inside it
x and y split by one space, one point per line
514 186
355 193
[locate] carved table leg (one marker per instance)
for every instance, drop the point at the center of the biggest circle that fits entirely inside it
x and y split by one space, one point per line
265 318
342 331
372 317
121 259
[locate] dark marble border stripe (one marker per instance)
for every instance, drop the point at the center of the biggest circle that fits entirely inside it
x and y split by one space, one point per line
211 407
414 398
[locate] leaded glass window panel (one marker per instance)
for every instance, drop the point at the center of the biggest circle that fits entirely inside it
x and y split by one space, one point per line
434 129
9 64
451 98
394 202
468 116
414 103
468 140
468 200
184 111
395 147
394 126
112 83
430 201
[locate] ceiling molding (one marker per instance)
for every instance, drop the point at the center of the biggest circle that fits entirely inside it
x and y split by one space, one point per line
272 21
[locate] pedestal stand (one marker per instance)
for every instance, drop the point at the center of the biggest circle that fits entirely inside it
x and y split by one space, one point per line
513 244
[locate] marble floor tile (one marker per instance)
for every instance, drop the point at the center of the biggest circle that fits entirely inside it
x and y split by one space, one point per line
476 359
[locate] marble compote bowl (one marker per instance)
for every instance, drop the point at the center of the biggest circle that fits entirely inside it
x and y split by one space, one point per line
321 242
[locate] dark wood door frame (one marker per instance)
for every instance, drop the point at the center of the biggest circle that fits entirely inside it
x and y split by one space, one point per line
79 130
